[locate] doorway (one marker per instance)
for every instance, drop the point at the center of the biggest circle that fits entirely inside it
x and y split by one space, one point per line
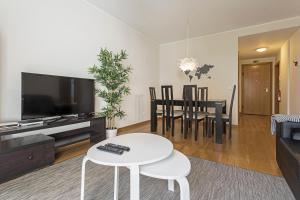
264 48
257 89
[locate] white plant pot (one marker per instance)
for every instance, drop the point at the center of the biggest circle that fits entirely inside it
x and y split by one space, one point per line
111 133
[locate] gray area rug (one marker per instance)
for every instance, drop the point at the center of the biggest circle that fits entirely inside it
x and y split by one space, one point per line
208 180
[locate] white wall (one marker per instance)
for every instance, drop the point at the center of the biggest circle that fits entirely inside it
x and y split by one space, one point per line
257 60
289 76
295 73
219 50
284 76
63 37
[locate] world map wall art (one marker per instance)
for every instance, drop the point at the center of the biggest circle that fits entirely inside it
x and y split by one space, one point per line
201 71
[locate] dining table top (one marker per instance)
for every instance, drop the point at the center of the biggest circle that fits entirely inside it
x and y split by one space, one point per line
208 102
180 99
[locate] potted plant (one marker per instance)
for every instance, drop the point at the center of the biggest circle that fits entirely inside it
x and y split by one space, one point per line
113 77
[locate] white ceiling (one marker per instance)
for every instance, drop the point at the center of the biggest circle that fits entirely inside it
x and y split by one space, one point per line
272 40
165 20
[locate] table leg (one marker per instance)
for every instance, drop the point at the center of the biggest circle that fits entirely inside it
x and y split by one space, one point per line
209 127
134 183
85 159
219 123
116 184
184 188
153 116
171 185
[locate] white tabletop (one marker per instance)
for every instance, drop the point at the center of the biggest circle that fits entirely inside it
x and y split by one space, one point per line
145 148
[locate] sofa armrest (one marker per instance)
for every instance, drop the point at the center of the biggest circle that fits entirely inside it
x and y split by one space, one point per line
278 129
286 128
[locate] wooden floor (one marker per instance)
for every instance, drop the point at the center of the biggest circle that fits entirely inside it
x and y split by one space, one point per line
251 147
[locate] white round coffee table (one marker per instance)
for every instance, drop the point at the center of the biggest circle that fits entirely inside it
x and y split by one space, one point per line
145 148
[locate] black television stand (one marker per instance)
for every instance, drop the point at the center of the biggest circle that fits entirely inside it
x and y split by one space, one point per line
69 130
34 146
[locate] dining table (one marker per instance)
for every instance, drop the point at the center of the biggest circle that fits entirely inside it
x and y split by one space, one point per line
218 104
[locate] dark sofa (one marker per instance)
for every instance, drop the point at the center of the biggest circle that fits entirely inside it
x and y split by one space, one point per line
288 154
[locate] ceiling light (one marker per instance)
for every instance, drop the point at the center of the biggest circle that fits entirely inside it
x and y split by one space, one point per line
188 64
260 50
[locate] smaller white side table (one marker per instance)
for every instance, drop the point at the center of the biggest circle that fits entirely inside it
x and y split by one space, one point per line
165 169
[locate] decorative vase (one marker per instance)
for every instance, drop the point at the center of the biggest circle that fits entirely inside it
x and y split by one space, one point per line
111 133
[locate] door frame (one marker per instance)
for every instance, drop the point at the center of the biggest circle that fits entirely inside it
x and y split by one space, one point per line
276 87
271 84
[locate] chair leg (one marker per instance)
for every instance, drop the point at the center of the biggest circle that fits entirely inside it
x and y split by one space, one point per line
224 127
181 125
173 125
185 128
163 125
167 124
204 128
190 129
230 129
184 188
196 130
116 184
171 185
212 127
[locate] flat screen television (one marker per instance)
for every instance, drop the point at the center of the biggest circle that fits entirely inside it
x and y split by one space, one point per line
48 95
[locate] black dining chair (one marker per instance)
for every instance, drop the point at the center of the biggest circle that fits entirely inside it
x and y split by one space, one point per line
227 118
169 115
183 91
203 96
153 98
191 110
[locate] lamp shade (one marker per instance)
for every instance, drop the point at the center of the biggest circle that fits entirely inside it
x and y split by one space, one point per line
188 64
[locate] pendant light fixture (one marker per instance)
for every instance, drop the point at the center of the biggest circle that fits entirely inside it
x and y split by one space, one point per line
188 63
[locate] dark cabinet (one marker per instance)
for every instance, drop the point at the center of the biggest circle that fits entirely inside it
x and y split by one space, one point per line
21 155
98 130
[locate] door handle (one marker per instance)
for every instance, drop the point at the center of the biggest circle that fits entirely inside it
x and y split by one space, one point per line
267 90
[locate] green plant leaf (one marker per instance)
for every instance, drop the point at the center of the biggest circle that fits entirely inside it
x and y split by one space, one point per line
113 76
